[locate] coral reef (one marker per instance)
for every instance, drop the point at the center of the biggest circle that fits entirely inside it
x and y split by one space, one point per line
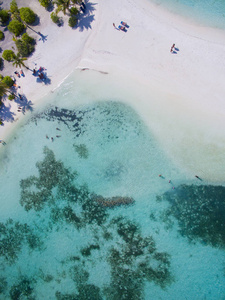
22 290
13 236
3 284
37 191
132 258
200 211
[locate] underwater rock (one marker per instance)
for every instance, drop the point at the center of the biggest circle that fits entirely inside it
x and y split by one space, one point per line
113 201
200 211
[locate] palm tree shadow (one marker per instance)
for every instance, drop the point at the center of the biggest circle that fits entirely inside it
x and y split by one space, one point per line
6 115
46 80
86 18
24 103
43 37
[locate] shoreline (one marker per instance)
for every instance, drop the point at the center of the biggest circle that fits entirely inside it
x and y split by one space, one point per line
187 87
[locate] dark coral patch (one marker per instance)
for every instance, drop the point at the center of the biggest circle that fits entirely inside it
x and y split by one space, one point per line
200 211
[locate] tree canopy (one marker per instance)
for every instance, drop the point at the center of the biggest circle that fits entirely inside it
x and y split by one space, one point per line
8 55
27 15
16 27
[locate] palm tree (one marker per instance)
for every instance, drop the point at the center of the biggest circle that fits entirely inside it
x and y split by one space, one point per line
18 61
4 89
62 5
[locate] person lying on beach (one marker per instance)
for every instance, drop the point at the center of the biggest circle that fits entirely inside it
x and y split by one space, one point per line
122 28
17 74
124 24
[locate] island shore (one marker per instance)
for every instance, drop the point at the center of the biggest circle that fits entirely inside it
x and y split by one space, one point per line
179 95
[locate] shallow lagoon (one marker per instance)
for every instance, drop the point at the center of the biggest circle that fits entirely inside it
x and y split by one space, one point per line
209 13
58 241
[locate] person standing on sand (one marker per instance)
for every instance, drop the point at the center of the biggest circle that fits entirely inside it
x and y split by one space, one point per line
171 50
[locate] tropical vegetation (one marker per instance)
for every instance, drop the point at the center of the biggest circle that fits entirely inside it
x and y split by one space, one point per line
2 36
11 97
62 5
13 7
55 18
8 55
72 21
74 11
18 61
45 3
4 16
16 27
25 45
8 81
27 15
3 89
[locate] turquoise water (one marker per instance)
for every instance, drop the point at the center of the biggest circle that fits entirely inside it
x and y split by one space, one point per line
205 12
87 216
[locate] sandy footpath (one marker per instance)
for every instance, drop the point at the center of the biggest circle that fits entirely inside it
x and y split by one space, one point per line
187 107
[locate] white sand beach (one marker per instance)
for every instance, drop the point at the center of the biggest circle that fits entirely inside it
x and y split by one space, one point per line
180 95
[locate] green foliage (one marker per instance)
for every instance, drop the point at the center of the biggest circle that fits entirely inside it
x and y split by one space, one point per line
1 77
25 46
4 16
27 15
72 21
45 3
2 36
8 81
11 97
76 1
18 61
8 55
28 39
74 11
55 18
13 7
3 89
16 27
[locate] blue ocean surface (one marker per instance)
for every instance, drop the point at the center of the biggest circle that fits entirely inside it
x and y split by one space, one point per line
93 208
210 13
